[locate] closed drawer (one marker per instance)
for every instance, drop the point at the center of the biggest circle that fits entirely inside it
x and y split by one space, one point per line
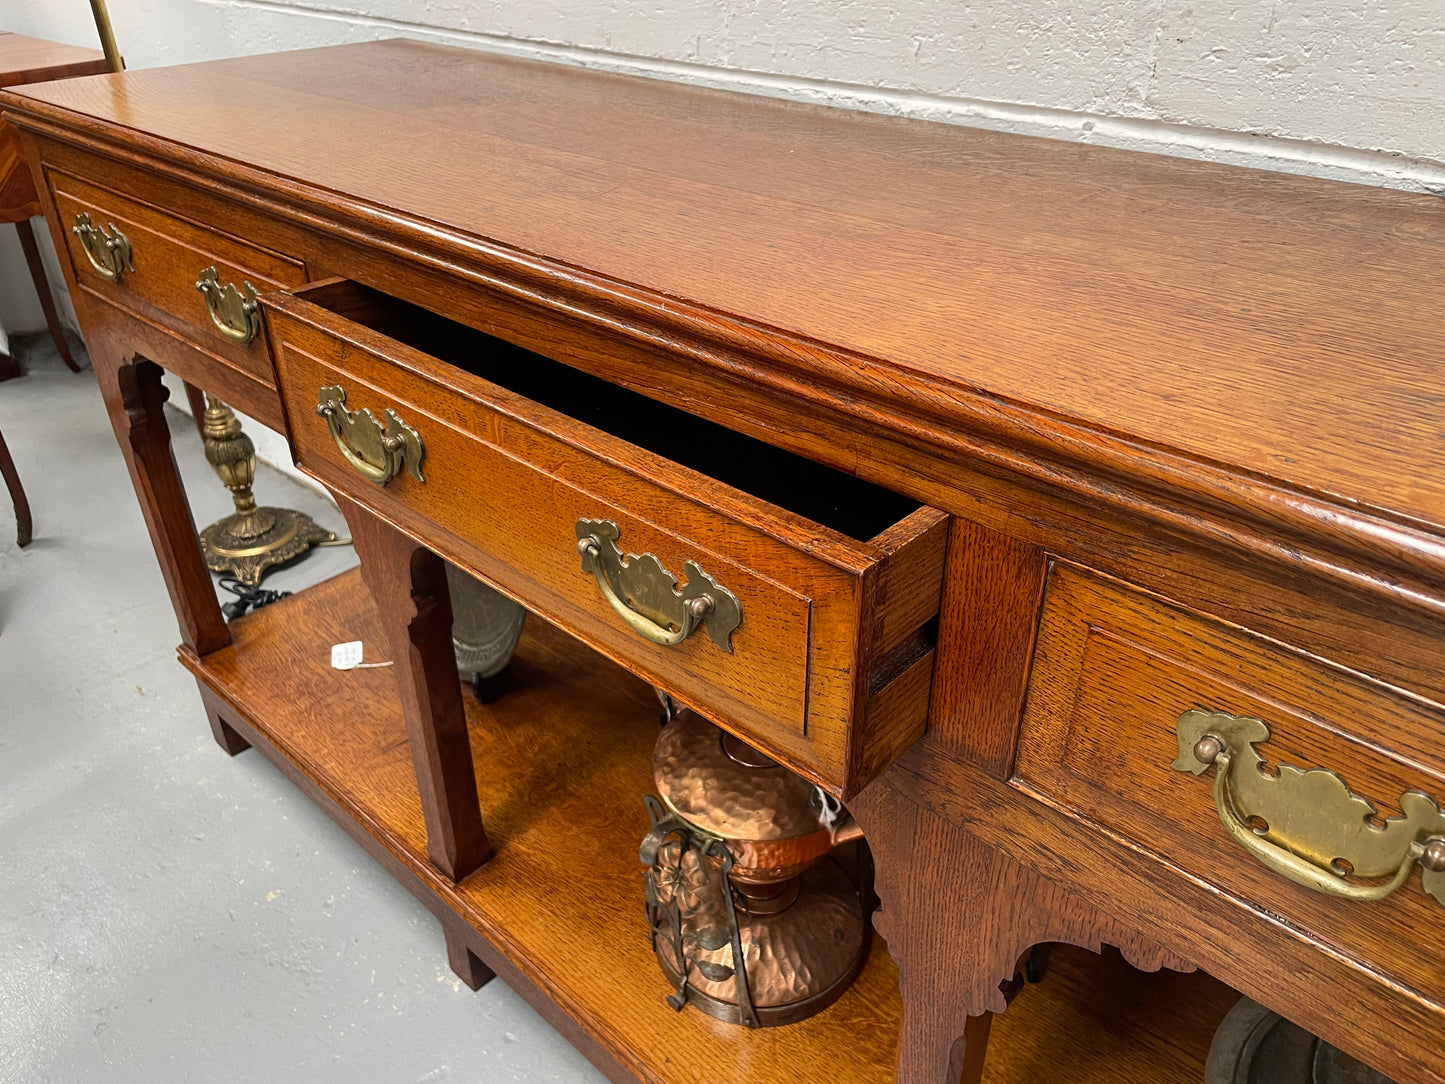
816 639
160 257
1313 759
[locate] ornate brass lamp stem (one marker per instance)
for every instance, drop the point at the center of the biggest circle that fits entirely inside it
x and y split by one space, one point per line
251 539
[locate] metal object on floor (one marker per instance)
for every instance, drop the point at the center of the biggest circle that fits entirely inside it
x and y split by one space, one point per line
250 540
486 626
1256 1046
757 881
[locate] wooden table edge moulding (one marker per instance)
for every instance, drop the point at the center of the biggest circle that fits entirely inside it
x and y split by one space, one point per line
1155 663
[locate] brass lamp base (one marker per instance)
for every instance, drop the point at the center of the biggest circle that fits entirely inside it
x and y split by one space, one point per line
230 545
250 540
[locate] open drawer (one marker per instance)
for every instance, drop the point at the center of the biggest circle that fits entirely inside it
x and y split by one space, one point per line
791 603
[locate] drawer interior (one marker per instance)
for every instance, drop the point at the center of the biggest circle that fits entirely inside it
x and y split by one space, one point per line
848 505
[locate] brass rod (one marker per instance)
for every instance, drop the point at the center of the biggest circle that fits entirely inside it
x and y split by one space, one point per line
107 36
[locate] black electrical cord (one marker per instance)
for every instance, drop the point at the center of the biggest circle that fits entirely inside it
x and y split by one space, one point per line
247 597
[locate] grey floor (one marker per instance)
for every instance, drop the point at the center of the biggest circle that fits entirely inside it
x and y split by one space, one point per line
168 913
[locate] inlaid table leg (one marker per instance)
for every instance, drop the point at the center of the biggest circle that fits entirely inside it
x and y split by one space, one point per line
409 585
42 289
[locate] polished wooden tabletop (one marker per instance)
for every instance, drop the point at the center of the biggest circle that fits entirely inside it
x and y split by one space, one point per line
33 60
1280 327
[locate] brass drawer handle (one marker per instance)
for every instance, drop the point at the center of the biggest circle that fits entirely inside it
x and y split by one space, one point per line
235 315
645 595
1314 830
109 253
373 451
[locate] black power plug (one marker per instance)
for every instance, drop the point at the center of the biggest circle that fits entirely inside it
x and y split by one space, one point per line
247 598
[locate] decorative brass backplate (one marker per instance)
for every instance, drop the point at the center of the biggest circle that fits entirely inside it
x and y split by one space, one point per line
237 316
1314 830
109 253
646 595
374 451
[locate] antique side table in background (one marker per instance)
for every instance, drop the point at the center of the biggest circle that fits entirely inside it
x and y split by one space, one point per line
30 60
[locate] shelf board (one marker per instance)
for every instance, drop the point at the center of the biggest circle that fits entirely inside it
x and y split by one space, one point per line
1094 1019
563 759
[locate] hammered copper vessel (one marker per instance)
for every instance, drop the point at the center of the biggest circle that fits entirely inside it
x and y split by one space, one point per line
747 864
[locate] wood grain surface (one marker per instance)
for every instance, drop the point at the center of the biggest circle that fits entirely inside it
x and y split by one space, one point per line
1114 670
34 60
1180 305
1096 1018
508 478
1216 384
1132 893
408 585
1331 575
31 60
562 759
135 400
169 253
993 586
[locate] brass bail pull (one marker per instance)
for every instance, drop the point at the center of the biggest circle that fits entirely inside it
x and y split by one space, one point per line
108 252
373 450
646 596
1334 837
236 315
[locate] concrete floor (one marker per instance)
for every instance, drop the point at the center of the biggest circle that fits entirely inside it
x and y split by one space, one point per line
168 913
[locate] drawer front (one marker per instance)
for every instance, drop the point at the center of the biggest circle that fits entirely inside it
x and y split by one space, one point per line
1124 688
163 257
504 493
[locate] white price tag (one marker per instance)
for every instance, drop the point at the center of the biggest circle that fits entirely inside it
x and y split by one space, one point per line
346 656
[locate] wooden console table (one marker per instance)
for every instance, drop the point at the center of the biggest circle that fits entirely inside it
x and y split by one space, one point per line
1055 487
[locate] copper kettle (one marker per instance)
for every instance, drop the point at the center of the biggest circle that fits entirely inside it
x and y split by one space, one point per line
742 868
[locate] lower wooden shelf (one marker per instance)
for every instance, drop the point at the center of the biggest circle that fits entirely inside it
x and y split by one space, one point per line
563 759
